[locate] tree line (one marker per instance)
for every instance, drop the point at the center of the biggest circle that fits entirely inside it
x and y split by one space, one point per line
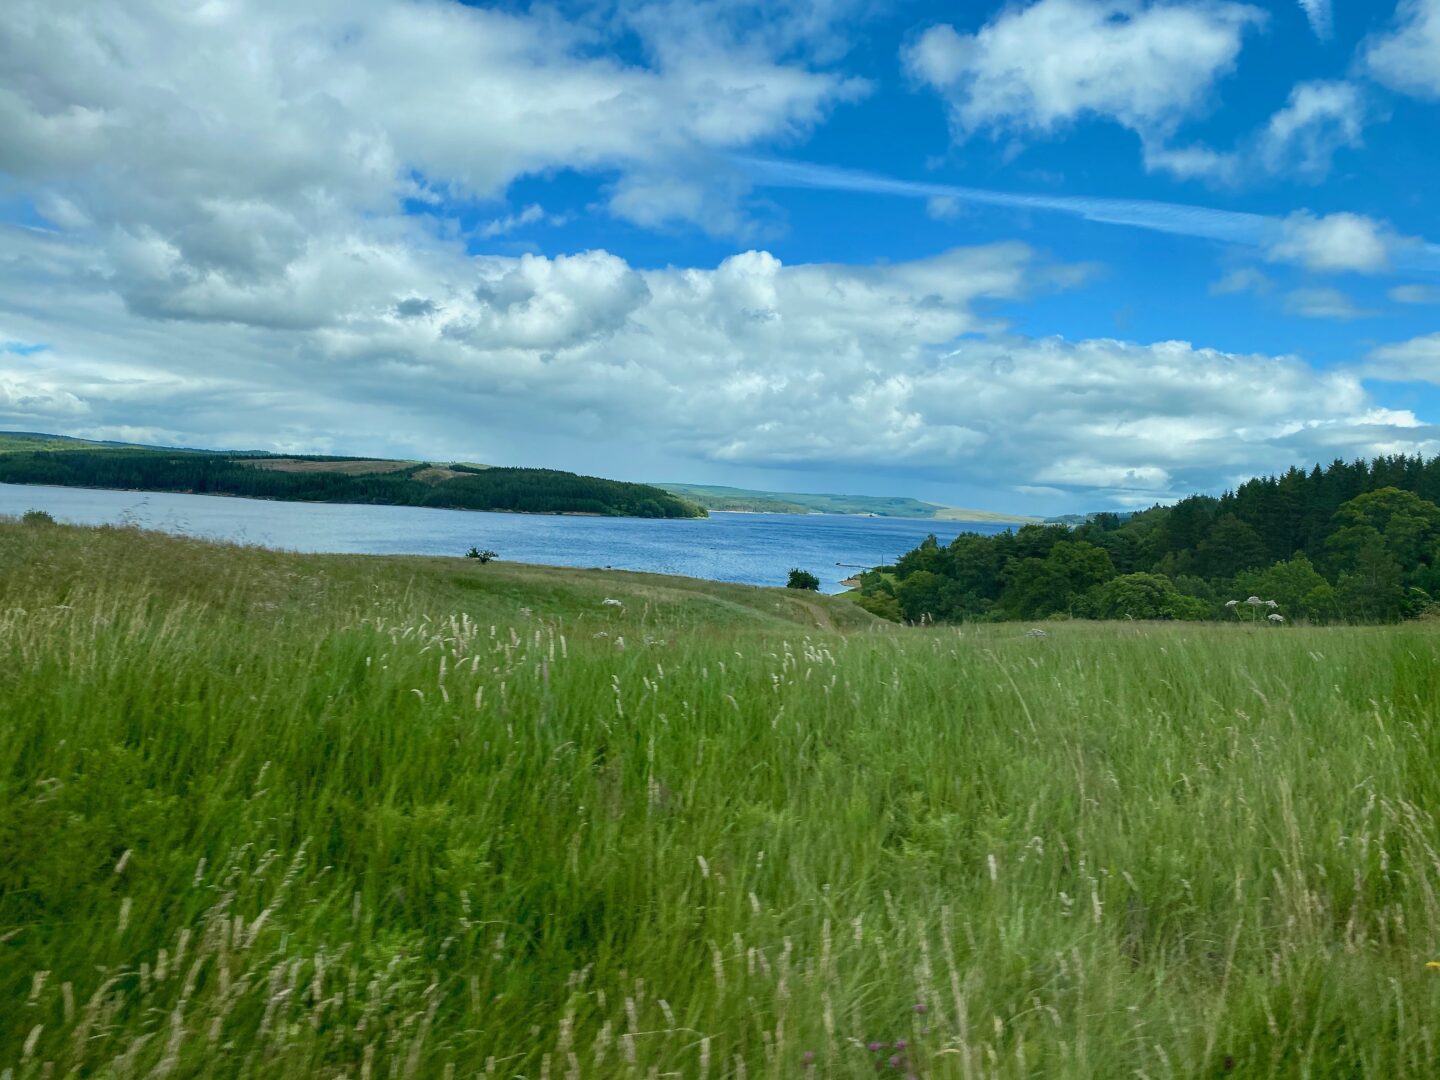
1358 541
534 491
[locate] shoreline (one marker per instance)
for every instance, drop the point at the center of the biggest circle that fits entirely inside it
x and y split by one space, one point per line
1016 522
334 502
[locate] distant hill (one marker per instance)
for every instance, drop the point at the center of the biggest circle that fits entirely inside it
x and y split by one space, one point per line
37 458
714 497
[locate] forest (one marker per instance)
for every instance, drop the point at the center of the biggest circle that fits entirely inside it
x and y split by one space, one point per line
1358 542
457 487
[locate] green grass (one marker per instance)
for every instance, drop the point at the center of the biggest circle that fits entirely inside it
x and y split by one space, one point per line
276 815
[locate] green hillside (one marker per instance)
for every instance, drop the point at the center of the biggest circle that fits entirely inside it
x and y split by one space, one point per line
714 497
27 458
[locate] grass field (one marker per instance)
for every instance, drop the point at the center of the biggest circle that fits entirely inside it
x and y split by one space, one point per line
298 816
713 497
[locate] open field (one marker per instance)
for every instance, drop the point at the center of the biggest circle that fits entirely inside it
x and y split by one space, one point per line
714 497
275 815
347 467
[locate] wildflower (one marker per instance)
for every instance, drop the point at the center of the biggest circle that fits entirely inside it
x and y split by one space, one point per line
1271 604
808 1057
894 1061
1254 601
1231 603
920 1008
875 1047
901 1044
1433 965
1275 618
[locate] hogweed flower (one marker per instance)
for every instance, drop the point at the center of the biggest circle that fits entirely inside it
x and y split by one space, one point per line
1275 618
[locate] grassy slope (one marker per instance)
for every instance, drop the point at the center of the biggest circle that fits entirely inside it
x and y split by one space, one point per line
713 497
267 815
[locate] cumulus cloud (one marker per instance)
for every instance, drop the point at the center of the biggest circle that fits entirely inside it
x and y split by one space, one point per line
224 137
1038 67
1320 118
1300 140
1404 58
748 363
1417 360
1336 243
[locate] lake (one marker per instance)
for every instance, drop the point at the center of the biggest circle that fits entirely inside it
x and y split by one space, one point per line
753 549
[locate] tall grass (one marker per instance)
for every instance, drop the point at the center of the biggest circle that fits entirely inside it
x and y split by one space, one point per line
275 815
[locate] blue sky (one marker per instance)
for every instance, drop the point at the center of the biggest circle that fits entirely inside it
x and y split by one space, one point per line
1046 255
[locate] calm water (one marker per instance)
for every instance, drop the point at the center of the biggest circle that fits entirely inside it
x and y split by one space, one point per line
755 549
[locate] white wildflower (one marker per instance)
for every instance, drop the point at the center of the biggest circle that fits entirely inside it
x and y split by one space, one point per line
1275 618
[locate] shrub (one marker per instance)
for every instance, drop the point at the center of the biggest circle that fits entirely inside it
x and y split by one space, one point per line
802 579
882 604
484 556
37 517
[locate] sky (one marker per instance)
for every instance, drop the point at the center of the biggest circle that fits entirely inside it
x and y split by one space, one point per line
1038 256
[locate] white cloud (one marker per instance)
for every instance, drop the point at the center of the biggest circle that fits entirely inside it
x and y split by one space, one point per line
943 207
235 132
1417 360
1320 118
531 215
1243 279
1336 243
1318 13
1148 67
1038 67
1300 140
1408 58
586 361
1323 303
1415 294
36 398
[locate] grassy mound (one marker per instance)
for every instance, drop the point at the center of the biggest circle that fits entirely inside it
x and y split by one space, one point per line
275 815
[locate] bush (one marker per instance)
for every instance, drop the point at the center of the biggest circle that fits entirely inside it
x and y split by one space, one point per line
484 556
1145 596
37 517
882 604
802 579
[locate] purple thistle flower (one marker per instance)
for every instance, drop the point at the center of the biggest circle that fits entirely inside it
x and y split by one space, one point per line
901 1044
895 1061
808 1057
875 1047
921 1008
